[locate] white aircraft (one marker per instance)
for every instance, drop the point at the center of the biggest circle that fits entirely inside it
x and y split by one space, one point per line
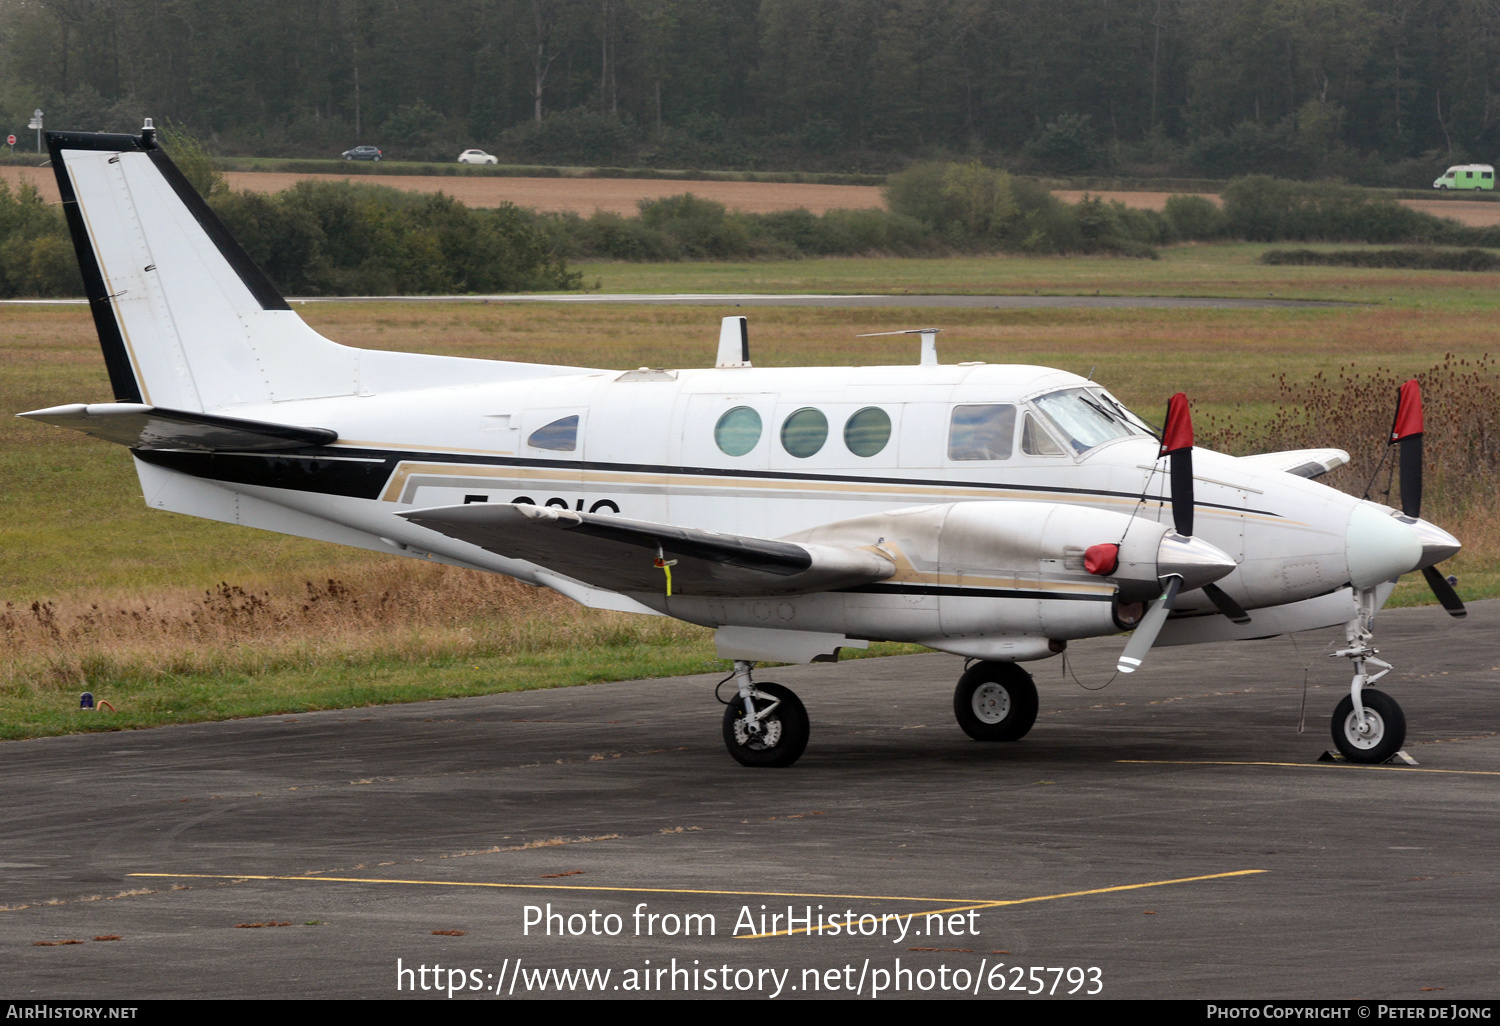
995 512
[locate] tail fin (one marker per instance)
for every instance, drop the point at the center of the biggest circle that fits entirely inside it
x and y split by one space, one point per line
185 318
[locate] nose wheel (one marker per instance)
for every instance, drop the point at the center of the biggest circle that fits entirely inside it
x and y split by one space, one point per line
1378 737
995 702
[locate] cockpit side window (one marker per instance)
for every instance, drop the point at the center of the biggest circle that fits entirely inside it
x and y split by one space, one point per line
982 432
1035 441
559 436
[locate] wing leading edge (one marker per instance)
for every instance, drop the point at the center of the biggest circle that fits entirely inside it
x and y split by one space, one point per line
635 556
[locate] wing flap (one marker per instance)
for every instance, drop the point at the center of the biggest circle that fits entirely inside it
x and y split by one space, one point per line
626 555
137 426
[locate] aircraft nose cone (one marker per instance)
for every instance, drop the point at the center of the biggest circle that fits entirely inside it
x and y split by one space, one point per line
1378 547
1193 559
1437 544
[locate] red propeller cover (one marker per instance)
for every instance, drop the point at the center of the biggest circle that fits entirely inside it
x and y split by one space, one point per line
1408 411
1178 433
1102 560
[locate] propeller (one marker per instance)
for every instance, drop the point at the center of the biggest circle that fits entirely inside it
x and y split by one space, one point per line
1406 431
1177 445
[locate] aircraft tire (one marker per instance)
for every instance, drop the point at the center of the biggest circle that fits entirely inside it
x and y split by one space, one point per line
784 733
995 702
1387 738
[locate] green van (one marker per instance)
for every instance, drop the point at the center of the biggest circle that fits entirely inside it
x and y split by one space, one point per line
1466 176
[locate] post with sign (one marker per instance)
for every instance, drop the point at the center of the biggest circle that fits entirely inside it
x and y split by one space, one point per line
36 123
10 141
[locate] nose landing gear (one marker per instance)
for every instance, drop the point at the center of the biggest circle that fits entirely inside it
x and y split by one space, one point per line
1368 726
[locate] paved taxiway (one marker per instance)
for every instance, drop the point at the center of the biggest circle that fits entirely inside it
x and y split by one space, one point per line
1303 879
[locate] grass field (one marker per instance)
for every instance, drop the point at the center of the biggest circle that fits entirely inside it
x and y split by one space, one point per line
171 618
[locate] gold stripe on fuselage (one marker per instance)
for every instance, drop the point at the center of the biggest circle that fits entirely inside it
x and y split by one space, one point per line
407 478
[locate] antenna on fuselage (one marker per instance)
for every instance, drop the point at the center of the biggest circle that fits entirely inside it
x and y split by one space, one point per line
734 342
929 342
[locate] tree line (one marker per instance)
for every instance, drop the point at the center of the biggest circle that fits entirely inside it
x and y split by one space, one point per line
1379 91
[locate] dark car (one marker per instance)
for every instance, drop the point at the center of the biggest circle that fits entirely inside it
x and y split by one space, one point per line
363 153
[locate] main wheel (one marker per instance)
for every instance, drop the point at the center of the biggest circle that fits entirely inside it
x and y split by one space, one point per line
1386 725
995 702
783 734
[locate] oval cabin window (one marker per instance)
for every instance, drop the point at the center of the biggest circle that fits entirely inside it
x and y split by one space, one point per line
804 432
868 431
738 431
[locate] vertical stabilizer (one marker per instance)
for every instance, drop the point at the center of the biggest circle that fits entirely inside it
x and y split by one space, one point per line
185 318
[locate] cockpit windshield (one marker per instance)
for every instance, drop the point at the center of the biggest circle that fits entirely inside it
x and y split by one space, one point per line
1086 417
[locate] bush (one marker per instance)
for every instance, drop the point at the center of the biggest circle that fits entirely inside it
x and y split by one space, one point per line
1264 209
1195 218
338 238
574 137
1412 259
1068 144
36 252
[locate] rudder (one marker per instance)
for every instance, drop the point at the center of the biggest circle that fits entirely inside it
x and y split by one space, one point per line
185 318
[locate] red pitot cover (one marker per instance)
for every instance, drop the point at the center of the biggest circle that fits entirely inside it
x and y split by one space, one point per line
1178 433
1408 411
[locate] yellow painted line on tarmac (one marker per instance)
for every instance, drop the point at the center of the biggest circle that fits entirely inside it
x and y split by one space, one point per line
974 902
1000 903
1304 765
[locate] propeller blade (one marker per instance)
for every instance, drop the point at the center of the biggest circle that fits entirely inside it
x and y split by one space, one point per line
1406 430
1177 443
1226 605
1150 626
1444 592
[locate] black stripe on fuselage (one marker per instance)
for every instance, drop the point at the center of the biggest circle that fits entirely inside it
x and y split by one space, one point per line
306 470
116 358
278 471
962 592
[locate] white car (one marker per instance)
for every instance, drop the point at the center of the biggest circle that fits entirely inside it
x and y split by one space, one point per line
476 157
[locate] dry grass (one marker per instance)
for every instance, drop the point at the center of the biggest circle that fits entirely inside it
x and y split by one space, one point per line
389 610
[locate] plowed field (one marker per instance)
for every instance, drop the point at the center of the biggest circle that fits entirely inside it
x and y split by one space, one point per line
620 195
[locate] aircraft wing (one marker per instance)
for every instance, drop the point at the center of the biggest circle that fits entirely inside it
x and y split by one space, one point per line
622 555
1307 463
151 427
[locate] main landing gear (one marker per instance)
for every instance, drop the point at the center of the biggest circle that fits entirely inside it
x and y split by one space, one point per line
765 724
1368 725
995 702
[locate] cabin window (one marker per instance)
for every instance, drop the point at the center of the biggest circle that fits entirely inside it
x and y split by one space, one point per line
738 431
1486 174
1036 442
804 432
559 436
868 431
981 432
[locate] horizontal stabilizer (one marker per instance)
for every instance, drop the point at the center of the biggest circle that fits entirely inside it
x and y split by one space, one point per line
636 556
1307 463
151 427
